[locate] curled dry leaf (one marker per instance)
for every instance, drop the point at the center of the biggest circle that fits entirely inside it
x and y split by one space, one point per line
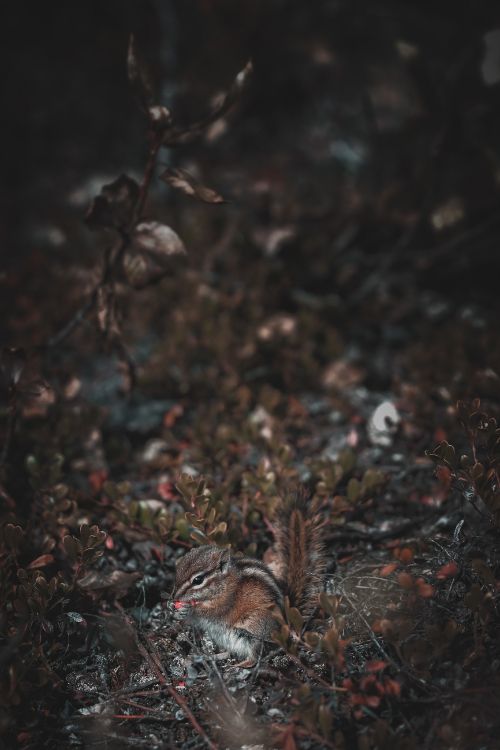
114 207
152 251
189 132
182 180
118 581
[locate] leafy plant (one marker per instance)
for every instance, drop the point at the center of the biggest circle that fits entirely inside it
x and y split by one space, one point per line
137 250
475 472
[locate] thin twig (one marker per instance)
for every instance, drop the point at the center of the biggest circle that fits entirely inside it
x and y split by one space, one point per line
112 260
74 322
398 667
156 666
148 176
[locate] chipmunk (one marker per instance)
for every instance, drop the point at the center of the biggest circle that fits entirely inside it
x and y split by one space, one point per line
235 600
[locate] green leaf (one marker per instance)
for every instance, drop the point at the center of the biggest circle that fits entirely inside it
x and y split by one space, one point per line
325 720
347 460
353 490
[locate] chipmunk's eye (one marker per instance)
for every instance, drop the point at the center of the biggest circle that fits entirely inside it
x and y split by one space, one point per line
198 579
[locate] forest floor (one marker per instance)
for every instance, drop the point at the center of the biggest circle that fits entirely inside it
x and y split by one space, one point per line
250 378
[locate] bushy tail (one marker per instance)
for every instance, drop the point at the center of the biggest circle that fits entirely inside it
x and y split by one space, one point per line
301 558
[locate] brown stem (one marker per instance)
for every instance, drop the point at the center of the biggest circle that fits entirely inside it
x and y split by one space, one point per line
148 176
74 322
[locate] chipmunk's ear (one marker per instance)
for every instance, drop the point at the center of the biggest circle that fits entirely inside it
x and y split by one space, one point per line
225 560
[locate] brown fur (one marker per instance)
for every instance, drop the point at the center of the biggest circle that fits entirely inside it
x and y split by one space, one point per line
300 551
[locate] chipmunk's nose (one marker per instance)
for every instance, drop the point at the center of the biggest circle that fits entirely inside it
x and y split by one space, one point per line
181 609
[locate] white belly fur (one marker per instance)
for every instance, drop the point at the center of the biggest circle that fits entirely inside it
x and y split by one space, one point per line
226 638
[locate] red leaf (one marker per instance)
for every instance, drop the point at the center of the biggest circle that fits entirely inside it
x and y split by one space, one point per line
41 562
405 554
376 665
424 589
97 479
449 570
157 553
166 490
171 416
392 687
367 682
443 474
439 435
109 543
388 569
405 580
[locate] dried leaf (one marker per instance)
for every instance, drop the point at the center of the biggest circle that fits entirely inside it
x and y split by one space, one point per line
40 562
114 207
186 183
190 132
118 581
153 251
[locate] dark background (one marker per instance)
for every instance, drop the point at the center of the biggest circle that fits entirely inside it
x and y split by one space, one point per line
345 129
